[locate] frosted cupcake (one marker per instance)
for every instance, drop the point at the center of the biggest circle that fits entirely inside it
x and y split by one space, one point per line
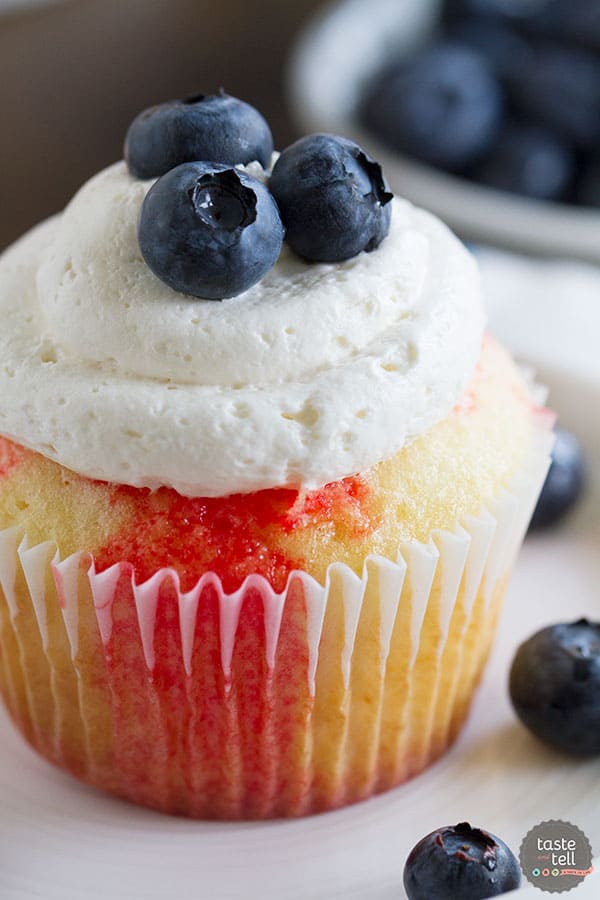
252 547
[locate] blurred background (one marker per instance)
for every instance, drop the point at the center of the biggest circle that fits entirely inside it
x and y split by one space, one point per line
73 73
487 112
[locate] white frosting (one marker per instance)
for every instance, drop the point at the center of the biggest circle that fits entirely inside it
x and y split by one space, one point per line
317 372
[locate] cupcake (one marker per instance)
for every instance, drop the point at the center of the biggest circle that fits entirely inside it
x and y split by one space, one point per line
259 498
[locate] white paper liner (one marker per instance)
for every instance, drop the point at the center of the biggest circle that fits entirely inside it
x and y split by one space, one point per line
344 751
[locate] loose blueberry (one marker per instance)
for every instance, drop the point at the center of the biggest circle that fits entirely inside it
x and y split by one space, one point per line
209 230
216 128
530 161
460 862
588 188
333 198
555 686
444 107
564 483
560 89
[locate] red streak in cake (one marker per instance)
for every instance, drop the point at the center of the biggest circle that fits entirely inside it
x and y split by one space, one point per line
346 501
197 535
231 536
11 455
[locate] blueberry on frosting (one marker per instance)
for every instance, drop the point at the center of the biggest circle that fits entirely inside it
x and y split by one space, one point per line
333 198
218 128
209 230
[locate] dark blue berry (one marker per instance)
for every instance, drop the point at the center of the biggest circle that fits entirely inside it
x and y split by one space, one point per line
505 50
213 128
564 483
560 89
444 107
555 686
209 230
576 21
460 862
502 10
333 198
530 161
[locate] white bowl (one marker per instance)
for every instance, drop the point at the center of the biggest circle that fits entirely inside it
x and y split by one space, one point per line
339 51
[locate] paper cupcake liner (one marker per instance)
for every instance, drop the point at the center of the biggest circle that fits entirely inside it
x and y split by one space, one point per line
257 704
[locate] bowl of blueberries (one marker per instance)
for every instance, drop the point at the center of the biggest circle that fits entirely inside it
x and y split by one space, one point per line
487 112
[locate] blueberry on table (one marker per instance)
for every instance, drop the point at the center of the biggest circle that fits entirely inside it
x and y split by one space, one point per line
530 161
209 230
560 89
564 482
444 107
460 863
215 128
333 198
555 686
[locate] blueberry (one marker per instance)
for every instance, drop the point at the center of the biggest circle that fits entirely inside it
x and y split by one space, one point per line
333 198
576 21
212 128
564 483
444 107
560 89
530 161
555 686
588 187
460 862
502 10
506 51
209 230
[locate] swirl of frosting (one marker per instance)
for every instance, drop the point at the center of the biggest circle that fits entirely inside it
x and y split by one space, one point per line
315 373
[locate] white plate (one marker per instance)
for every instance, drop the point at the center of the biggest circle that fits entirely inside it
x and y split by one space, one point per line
62 841
334 57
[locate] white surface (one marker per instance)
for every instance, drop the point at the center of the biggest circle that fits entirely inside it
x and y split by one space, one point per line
325 81
62 841
313 374
548 312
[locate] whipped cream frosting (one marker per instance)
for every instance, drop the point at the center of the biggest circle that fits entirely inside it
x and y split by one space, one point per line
315 373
